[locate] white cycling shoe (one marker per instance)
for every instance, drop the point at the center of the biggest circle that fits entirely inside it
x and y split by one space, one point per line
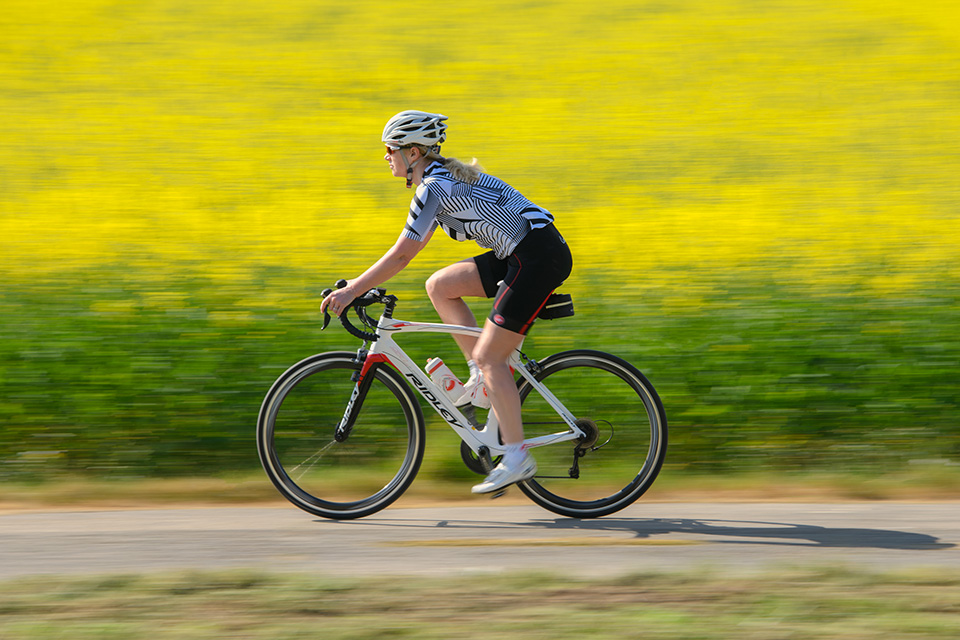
474 392
503 476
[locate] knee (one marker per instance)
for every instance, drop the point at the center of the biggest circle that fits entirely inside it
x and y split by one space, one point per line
482 362
485 359
438 286
479 357
434 284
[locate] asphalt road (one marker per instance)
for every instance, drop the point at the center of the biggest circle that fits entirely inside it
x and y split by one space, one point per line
448 540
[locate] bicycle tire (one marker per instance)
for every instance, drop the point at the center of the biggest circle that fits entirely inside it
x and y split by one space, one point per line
340 480
629 426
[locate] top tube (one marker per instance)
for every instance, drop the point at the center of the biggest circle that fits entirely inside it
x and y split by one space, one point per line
379 296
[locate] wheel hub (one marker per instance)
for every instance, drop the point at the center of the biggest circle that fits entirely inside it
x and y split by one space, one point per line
591 433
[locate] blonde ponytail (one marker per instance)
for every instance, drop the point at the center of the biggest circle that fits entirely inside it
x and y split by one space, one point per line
458 169
462 171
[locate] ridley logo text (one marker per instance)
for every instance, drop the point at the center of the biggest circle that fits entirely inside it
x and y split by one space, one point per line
432 399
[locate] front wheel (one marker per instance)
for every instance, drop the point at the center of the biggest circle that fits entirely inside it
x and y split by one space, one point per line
626 430
365 472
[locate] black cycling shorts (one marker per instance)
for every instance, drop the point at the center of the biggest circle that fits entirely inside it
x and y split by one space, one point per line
522 282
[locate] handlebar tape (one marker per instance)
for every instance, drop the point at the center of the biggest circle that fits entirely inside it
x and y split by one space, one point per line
359 306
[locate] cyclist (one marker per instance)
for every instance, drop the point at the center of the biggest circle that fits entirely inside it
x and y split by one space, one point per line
528 259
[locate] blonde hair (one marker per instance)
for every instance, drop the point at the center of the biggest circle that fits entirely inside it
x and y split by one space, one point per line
463 171
458 169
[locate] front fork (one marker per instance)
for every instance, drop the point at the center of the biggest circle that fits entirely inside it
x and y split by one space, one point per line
362 378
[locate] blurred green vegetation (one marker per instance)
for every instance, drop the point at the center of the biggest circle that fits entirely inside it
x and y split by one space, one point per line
761 199
789 602
761 375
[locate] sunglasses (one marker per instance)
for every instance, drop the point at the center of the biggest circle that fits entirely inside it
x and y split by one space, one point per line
391 150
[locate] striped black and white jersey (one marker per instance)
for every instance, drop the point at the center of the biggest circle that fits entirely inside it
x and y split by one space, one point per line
489 211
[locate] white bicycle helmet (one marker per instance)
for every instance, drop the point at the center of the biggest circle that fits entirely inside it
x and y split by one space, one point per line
415 127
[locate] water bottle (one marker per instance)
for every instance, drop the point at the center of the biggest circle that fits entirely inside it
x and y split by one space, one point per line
444 378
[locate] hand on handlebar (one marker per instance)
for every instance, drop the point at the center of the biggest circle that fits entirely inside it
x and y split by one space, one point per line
343 298
336 302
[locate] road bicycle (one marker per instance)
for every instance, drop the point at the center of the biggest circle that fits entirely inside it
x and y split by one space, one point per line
341 434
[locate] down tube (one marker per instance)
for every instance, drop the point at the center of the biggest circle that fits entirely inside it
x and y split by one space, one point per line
431 393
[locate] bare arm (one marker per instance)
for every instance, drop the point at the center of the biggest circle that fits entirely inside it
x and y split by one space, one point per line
392 263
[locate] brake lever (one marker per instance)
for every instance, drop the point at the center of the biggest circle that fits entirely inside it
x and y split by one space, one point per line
326 315
375 295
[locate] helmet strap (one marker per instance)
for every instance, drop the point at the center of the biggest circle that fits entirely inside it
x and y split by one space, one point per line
410 169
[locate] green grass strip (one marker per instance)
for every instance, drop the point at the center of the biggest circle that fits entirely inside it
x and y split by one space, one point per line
786 603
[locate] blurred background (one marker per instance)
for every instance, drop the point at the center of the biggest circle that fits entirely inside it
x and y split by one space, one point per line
761 198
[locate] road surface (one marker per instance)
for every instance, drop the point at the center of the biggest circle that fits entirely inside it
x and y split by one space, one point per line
450 540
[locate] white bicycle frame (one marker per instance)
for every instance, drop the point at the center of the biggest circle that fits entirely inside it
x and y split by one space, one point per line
385 349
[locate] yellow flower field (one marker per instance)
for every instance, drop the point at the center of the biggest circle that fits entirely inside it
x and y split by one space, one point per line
761 197
818 139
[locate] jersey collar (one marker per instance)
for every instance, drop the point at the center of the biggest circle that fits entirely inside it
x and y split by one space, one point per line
432 168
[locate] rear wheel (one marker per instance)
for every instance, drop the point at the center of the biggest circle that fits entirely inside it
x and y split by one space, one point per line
365 472
626 434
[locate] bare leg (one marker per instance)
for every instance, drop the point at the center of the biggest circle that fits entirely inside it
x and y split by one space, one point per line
446 289
493 349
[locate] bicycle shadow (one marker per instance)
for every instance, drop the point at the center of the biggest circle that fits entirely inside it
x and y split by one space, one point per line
732 532
750 532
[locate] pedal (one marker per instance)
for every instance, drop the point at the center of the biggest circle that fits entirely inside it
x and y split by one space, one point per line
486 465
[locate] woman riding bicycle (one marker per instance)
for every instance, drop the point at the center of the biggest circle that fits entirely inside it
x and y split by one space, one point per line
528 259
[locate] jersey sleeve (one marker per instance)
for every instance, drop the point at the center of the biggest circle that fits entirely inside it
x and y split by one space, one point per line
422 219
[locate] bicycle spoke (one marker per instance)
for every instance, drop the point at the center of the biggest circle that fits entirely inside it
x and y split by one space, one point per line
624 435
340 479
313 459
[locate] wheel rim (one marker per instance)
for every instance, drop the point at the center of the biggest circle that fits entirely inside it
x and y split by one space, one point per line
623 419
363 474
